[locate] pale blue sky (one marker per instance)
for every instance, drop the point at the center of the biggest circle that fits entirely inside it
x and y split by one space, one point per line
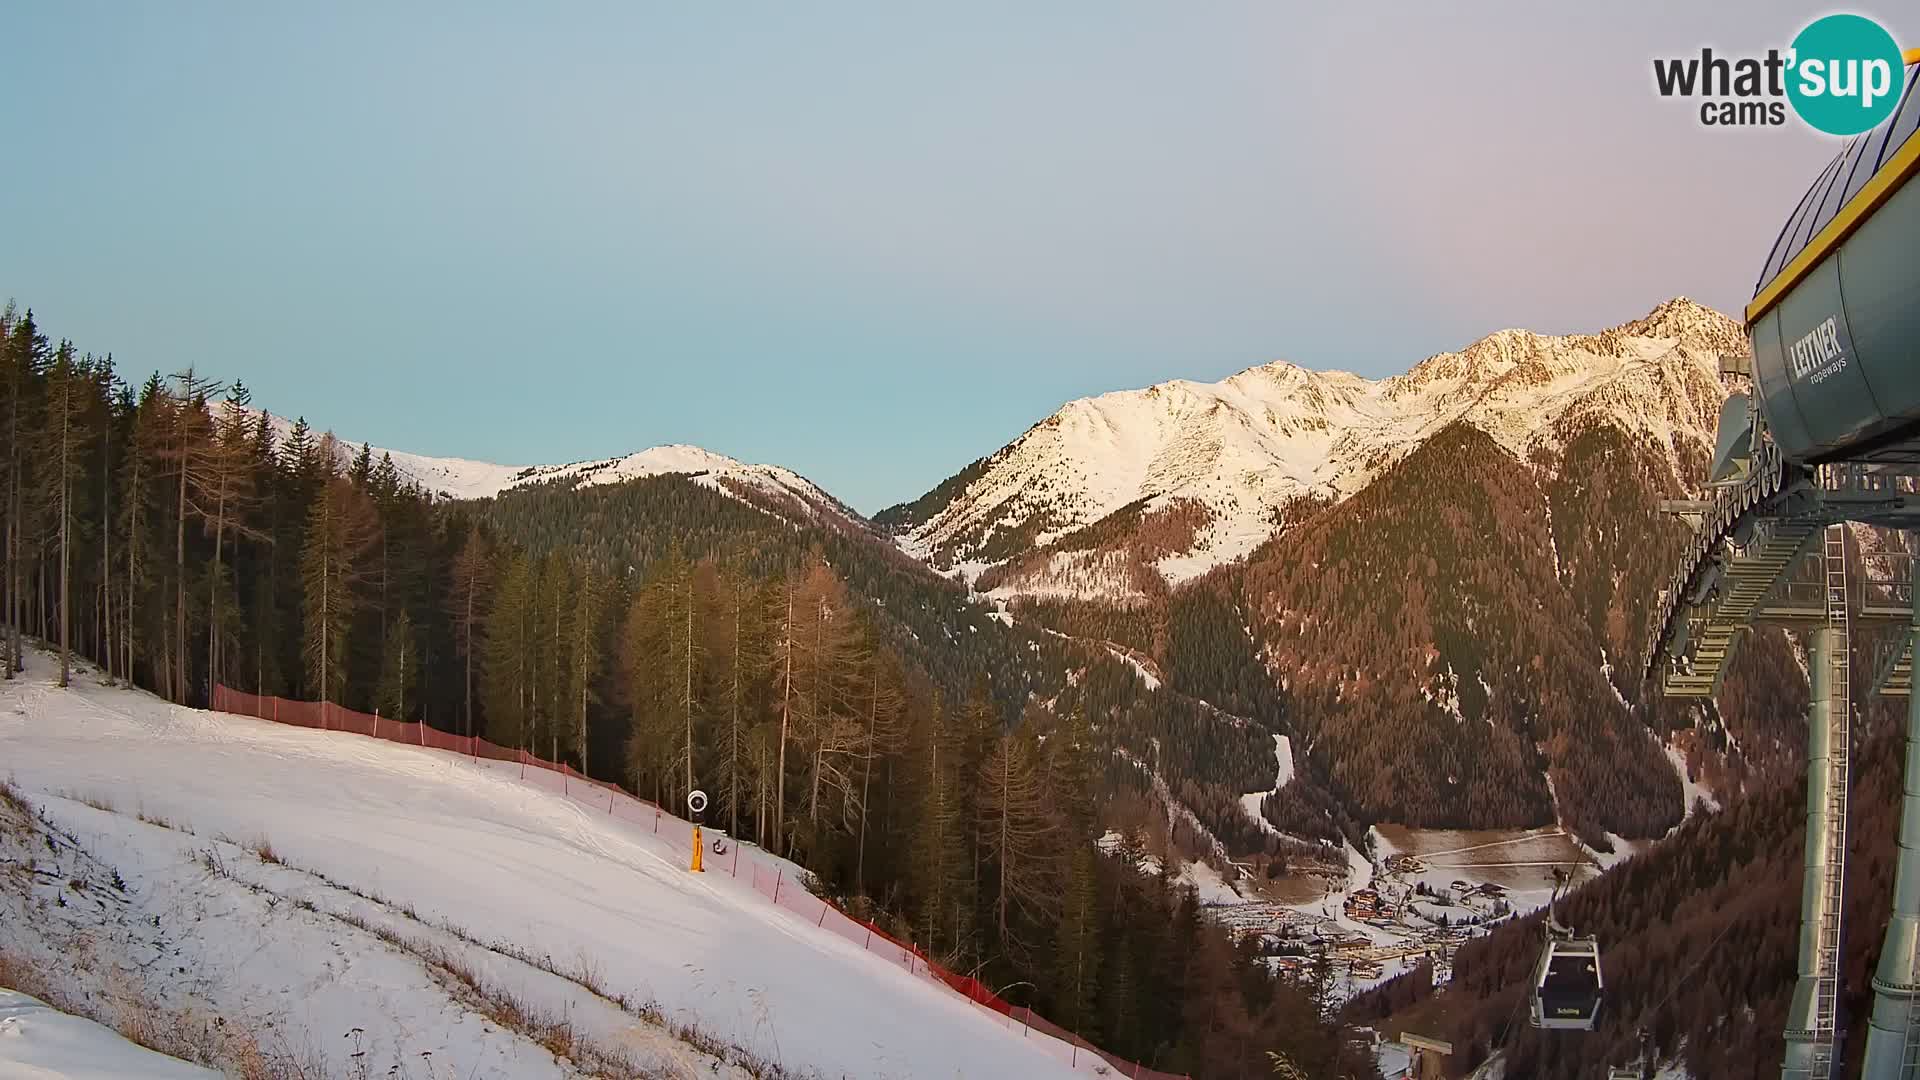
868 241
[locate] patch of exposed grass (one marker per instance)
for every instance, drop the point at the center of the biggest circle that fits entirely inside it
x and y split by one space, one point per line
98 802
11 798
181 1033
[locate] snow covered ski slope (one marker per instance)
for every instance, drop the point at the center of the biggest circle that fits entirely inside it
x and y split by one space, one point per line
44 1043
464 853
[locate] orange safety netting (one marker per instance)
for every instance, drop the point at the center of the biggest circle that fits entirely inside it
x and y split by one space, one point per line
768 876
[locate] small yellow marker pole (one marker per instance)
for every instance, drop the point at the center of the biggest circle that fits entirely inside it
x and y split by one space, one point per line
697 868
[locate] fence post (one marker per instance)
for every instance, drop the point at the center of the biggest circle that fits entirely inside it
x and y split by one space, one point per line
323 714
656 821
776 881
822 921
376 723
423 729
736 857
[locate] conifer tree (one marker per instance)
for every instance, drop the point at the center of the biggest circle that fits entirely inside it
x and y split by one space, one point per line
467 602
885 701
509 643
26 358
400 667
1019 839
340 529
222 475
738 652
1076 956
554 680
64 419
185 455
584 664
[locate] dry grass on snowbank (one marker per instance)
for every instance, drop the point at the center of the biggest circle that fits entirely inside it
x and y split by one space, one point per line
118 1002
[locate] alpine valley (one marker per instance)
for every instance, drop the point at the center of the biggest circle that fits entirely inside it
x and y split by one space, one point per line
1435 585
1256 646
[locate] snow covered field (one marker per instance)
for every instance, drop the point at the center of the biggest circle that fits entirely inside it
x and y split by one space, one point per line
384 853
42 1042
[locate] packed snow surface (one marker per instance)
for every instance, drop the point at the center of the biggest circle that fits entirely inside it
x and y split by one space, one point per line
1250 802
451 842
39 1042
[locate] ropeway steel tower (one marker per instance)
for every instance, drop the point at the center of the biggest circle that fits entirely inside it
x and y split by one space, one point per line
1829 437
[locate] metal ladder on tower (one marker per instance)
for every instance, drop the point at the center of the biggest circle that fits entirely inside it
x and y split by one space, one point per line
1833 876
1910 1042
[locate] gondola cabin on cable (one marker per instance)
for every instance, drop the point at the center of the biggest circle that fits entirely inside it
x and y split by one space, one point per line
1567 985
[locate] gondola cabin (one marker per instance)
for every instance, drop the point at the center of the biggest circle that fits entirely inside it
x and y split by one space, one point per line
1567 985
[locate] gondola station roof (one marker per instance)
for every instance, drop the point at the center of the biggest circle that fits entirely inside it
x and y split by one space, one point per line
1835 318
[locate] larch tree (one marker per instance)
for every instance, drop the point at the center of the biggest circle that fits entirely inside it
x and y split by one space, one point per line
738 654
822 659
1018 833
64 440
886 702
222 474
185 454
340 530
784 661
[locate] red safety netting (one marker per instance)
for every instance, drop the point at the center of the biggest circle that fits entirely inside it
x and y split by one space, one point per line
767 875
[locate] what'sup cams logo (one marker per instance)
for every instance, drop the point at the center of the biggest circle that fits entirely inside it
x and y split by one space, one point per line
1843 75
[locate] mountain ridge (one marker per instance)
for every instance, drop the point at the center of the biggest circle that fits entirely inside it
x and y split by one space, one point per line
770 487
1232 456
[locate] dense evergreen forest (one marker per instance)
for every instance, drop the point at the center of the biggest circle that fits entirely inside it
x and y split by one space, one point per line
937 767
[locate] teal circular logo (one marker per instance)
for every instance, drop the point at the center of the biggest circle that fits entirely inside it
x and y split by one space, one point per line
1845 74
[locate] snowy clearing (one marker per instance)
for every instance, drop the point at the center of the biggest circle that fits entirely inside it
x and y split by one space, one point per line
39 1041
435 850
1250 802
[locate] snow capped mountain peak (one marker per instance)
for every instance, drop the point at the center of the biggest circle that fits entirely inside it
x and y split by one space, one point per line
770 487
1210 468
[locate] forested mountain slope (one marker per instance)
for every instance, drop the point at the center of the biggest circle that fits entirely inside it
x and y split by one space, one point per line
1476 584
1699 937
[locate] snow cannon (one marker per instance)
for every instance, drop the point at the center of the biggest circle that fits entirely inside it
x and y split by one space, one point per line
697 806
1835 317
